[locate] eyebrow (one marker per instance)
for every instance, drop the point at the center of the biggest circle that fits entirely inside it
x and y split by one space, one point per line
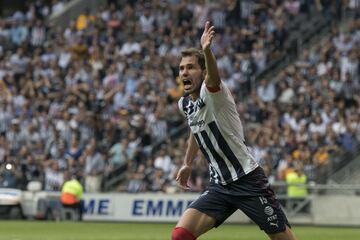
188 64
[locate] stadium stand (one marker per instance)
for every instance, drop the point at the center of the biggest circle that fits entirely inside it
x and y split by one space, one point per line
98 98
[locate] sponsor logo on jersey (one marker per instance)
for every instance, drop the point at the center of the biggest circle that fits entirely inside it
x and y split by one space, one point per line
200 123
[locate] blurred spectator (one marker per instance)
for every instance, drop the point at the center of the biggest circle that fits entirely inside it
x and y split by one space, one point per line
137 180
54 177
292 6
111 76
118 154
164 161
19 32
84 20
266 91
94 166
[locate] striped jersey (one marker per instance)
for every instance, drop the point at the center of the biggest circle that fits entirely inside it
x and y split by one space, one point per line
217 128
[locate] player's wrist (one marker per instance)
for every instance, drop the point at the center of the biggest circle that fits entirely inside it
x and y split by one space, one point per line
186 165
206 48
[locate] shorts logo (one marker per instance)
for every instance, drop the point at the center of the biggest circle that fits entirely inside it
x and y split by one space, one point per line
274 224
269 210
272 218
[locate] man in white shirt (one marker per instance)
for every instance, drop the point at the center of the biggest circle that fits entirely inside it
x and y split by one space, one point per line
236 180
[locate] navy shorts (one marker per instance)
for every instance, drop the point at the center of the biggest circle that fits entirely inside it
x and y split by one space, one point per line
251 194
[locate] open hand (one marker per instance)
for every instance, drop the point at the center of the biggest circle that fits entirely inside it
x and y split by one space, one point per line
183 176
207 35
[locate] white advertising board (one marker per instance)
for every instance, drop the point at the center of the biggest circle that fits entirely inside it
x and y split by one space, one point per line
135 207
149 207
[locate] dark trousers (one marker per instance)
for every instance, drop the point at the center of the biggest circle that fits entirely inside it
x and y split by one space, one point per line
76 207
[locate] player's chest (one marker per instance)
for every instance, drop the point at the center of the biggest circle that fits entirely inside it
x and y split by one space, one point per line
198 115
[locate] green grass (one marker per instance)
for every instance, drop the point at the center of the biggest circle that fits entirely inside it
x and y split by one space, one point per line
37 230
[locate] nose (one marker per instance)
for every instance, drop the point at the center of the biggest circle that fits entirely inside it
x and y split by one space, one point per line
184 72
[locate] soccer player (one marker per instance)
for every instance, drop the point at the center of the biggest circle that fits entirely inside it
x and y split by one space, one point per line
236 180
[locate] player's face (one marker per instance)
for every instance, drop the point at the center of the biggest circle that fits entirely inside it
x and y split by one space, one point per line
191 74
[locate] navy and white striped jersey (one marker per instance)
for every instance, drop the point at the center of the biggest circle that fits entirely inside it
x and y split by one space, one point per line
217 128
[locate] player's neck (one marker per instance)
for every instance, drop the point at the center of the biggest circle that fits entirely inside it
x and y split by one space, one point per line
195 96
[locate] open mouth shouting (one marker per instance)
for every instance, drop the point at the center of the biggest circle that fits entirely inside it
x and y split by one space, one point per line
187 84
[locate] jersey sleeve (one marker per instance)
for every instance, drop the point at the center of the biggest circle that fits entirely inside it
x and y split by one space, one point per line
181 107
216 97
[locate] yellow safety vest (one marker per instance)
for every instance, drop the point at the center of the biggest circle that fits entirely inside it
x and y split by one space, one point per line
73 187
293 181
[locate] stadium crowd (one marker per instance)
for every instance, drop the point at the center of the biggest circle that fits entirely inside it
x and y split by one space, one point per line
102 92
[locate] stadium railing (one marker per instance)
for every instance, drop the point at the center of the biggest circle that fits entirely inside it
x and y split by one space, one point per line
349 173
301 207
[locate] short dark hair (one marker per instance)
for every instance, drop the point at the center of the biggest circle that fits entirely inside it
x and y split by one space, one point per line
199 54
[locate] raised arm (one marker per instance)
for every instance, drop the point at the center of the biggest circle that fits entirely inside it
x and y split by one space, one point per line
185 171
212 79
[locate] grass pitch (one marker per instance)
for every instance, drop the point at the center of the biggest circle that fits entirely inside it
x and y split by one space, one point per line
37 230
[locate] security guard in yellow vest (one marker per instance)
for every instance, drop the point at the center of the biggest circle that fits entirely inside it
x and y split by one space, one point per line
294 180
71 194
296 188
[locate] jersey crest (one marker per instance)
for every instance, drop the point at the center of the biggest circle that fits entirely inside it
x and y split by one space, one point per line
190 107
